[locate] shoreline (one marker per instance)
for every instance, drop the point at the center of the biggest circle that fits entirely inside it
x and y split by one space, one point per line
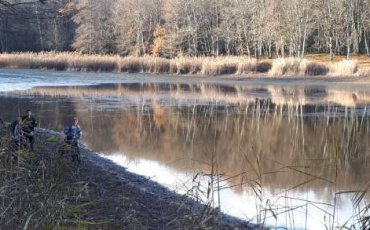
153 203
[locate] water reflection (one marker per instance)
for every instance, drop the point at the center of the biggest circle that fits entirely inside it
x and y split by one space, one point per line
283 156
294 151
288 151
236 94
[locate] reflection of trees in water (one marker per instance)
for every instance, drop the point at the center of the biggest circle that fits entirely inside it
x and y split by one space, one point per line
188 139
226 93
51 113
98 128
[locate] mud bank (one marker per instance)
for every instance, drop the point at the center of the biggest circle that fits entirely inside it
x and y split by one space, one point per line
123 199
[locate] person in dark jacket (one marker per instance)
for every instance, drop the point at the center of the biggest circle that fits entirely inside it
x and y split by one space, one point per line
29 123
73 134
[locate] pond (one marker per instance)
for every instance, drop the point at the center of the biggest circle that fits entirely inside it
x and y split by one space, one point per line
280 153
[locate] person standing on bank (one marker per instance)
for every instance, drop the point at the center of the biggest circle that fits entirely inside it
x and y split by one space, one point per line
73 134
29 123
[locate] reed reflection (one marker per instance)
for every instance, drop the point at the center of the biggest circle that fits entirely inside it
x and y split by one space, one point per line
234 94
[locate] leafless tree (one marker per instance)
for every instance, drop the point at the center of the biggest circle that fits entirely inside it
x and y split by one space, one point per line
188 27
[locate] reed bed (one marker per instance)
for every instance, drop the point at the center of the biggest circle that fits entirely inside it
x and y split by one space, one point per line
296 66
303 67
147 64
344 68
69 61
363 72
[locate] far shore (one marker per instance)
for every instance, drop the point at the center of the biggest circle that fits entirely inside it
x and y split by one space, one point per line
235 67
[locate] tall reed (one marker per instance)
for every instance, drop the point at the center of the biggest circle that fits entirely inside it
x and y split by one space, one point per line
180 65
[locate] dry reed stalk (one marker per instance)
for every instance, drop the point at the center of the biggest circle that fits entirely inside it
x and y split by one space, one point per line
72 61
344 68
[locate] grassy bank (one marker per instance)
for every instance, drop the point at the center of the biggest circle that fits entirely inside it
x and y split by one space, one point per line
314 65
42 190
37 191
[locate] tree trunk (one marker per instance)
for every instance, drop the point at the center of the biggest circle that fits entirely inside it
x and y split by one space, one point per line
348 44
248 50
304 37
270 50
331 49
366 44
39 27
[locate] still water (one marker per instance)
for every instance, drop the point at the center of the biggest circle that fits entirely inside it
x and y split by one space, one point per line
282 155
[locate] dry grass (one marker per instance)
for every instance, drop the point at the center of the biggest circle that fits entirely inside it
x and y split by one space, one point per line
228 65
147 64
35 192
297 67
362 63
344 68
42 190
364 72
288 66
59 61
188 65
304 67
363 60
312 66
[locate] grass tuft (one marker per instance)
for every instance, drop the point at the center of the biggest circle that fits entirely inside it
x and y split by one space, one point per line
288 66
344 68
365 72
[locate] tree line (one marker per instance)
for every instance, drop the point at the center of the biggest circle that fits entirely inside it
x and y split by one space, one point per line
169 28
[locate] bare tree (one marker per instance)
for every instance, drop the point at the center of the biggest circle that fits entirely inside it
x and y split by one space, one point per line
187 27
34 25
136 21
95 31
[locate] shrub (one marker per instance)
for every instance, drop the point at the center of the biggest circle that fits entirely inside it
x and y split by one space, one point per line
263 67
314 69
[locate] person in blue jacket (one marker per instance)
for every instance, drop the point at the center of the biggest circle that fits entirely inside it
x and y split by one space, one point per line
73 133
